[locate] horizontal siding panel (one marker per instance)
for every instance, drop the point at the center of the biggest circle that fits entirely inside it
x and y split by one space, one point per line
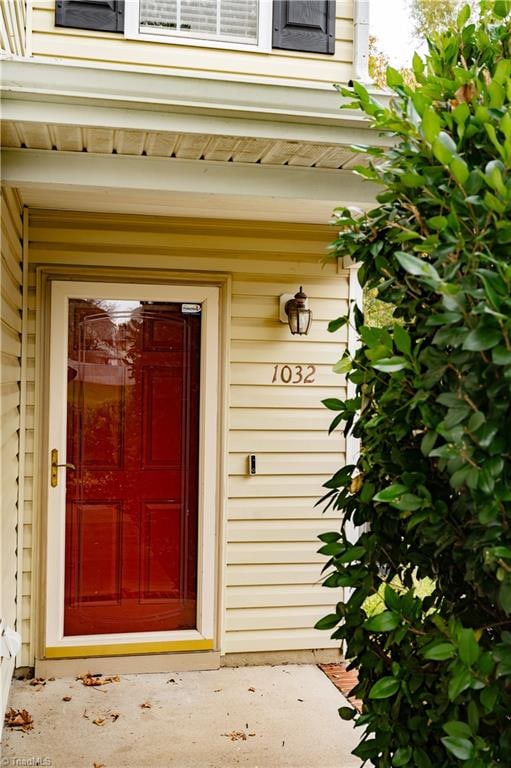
268 306
220 242
273 552
287 352
130 258
272 442
10 365
282 595
271 486
304 396
280 509
11 311
278 640
273 330
276 530
10 341
269 418
336 288
282 464
303 617
269 573
78 45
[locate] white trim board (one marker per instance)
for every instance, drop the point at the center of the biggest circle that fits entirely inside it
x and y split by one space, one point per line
56 92
208 296
27 167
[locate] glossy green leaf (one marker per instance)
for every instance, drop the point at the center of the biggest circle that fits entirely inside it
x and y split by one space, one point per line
382 622
390 493
384 688
327 622
415 266
463 749
439 650
402 756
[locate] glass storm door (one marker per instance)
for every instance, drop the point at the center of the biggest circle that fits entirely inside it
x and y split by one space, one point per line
132 437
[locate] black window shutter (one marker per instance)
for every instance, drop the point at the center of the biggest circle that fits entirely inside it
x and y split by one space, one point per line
304 25
101 15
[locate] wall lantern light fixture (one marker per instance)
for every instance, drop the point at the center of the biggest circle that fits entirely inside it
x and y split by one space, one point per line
294 310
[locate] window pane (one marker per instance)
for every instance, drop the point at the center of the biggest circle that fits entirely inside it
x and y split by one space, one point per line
209 19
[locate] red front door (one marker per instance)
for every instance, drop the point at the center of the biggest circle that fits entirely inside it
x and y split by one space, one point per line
132 435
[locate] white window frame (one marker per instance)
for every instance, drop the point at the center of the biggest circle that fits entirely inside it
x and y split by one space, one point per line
263 44
208 296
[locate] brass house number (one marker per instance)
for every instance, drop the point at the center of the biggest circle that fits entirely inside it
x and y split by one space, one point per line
293 374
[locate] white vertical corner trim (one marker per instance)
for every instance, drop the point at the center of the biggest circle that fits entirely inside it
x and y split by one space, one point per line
361 40
353 443
208 296
22 425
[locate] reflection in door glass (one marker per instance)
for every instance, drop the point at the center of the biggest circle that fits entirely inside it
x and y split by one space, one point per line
132 434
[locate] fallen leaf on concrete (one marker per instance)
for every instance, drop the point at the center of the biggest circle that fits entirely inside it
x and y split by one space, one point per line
171 680
99 721
236 735
300 700
99 765
146 705
19 718
66 698
114 715
38 681
51 679
85 714
252 689
217 690
251 734
94 680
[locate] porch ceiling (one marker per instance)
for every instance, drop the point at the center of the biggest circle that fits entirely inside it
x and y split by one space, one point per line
185 146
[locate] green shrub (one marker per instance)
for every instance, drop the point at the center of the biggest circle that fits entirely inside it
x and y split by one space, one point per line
430 495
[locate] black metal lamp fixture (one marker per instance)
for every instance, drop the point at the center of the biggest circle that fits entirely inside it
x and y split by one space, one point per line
299 316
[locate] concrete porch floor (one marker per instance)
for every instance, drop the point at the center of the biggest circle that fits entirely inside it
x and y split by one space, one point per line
259 717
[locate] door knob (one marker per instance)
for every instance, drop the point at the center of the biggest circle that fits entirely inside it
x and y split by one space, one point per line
54 465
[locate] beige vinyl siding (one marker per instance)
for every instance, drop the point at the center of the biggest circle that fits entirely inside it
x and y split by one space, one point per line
113 49
271 572
11 305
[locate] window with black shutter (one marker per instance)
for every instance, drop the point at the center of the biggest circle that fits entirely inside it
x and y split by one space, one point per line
297 25
304 25
101 15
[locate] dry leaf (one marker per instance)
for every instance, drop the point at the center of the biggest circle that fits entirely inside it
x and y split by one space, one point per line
357 483
85 714
115 716
99 765
146 705
19 718
66 698
465 93
236 735
251 734
99 721
38 681
94 680
252 689
51 679
217 690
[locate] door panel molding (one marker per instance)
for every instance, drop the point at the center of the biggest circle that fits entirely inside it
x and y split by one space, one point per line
55 642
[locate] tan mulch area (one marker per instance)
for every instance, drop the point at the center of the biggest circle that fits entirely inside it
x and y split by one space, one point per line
343 680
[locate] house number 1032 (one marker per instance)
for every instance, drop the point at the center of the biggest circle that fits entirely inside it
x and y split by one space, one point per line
294 374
